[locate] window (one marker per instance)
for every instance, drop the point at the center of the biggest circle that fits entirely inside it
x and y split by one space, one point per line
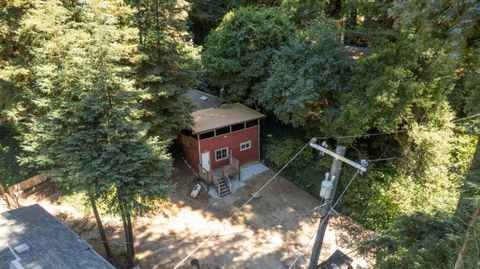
224 130
245 145
238 127
221 154
207 135
252 123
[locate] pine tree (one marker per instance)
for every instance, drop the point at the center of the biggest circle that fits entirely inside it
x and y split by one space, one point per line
86 126
168 65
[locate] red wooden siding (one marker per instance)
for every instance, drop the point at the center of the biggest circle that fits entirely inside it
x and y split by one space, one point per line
233 141
190 152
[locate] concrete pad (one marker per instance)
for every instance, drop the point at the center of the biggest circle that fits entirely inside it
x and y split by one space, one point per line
247 173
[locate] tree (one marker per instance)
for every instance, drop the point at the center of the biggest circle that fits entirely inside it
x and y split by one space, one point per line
15 55
11 171
456 24
167 67
206 15
307 78
239 51
85 128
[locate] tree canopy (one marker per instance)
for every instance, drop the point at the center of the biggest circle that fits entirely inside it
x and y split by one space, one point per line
237 53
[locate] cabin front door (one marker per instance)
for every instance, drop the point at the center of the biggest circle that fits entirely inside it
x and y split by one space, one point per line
206 161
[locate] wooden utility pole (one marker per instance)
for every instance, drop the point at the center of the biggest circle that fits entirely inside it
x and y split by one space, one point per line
334 175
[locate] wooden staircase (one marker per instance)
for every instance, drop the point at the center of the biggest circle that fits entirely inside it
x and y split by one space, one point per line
223 187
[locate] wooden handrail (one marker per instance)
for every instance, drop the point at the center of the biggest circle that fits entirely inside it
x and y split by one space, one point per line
214 179
229 183
225 175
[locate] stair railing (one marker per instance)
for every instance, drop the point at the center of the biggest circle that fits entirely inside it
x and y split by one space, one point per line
215 181
235 164
225 176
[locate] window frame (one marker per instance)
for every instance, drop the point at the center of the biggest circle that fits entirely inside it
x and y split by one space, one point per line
237 124
206 134
226 130
249 143
226 154
251 123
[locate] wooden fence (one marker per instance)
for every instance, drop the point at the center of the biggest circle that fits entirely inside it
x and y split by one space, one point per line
30 183
13 192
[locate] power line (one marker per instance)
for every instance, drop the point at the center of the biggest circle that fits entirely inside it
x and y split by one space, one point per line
244 204
467 118
364 135
385 159
323 221
386 133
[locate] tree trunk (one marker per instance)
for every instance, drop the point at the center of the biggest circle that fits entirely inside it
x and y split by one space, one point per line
4 196
463 250
473 175
130 229
127 228
337 9
100 228
464 208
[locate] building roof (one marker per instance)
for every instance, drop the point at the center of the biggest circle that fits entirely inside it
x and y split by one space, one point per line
203 100
357 52
45 241
223 115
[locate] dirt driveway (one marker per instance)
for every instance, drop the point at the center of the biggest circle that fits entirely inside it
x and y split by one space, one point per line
269 233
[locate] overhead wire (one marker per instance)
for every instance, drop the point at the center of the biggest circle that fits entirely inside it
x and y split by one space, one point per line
467 118
324 220
392 132
241 207
293 158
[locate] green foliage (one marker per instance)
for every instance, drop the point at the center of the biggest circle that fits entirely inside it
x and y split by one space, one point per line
456 24
79 201
166 67
302 12
418 241
15 54
280 143
399 84
238 53
86 127
11 171
206 15
307 78
279 154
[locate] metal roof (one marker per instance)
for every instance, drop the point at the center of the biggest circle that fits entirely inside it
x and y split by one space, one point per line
203 100
223 115
47 242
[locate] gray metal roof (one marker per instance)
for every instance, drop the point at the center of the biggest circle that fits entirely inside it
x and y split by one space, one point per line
203 100
50 243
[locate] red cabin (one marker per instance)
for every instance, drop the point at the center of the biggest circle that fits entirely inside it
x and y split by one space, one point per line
224 136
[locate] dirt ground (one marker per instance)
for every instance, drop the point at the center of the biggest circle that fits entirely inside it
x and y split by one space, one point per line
268 233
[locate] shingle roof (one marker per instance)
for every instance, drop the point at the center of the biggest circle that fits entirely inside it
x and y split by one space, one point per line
224 115
51 244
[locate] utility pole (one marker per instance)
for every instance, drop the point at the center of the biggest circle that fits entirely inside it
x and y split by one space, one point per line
332 181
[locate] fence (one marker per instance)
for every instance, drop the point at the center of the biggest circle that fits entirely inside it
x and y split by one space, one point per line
30 183
13 192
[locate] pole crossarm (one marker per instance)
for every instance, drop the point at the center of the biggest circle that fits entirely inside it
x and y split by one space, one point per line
337 156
